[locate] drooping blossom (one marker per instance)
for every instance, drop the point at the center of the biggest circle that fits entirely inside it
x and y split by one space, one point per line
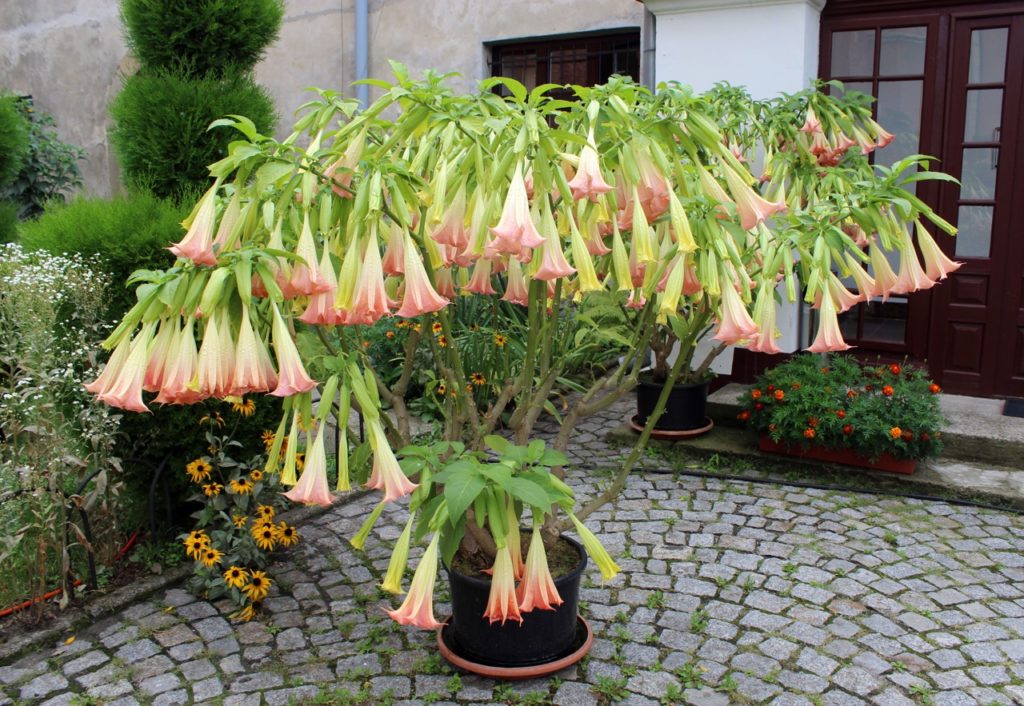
811 122
752 209
228 221
671 287
515 230
734 324
393 262
587 280
124 388
370 301
588 182
443 282
829 337
502 604
516 289
280 266
691 285
114 365
321 309
882 136
341 170
681 231
552 263
159 353
452 229
180 373
312 488
387 475
420 297
643 243
637 269
620 262
399 558
860 238
652 192
253 371
197 245
842 297
636 300
911 276
609 569
595 244
480 282
292 376
418 607
712 189
866 286
936 265
216 359
537 589
764 313
305 277
885 278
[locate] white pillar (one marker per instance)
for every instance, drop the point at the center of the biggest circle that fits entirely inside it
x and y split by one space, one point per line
767 46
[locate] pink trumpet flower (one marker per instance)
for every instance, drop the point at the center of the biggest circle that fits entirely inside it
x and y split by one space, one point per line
860 238
882 137
292 376
501 602
371 300
866 286
537 589
305 278
443 282
764 311
386 475
216 360
885 278
691 285
420 296
197 245
452 231
180 373
588 182
394 253
811 122
595 244
312 488
751 208
936 265
159 354
418 607
227 224
340 171
636 300
829 337
253 370
842 297
124 390
480 282
652 191
515 229
281 268
114 365
516 290
320 309
911 277
735 324
553 263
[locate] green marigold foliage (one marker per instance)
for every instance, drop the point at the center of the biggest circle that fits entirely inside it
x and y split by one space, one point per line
161 120
839 403
50 167
127 233
200 37
13 139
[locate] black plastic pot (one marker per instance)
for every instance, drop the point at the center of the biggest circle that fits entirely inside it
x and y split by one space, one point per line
544 636
686 408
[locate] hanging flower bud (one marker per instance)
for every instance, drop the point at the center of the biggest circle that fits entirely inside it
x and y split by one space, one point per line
387 475
735 324
936 265
253 371
829 337
292 377
123 388
537 589
516 230
480 282
305 278
418 607
312 488
502 604
399 558
588 182
516 289
197 245
420 297
764 313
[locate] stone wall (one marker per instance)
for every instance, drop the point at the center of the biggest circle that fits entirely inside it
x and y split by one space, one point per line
70 55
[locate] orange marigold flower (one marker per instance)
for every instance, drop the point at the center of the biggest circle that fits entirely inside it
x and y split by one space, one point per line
907 435
812 422
934 389
887 390
895 369
756 394
743 416
896 432
389 334
779 395
809 433
841 414
847 429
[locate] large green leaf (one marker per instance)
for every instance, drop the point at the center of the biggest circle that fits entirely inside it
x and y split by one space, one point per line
461 489
529 492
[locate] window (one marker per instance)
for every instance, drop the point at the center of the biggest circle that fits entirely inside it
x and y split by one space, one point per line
586 60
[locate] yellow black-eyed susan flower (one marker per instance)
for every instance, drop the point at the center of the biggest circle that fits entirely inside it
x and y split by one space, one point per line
212 490
255 475
194 547
474 327
239 520
500 340
442 389
442 341
199 470
236 577
287 535
249 612
265 536
210 557
300 461
436 327
268 439
265 512
477 379
241 486
258 586
245 407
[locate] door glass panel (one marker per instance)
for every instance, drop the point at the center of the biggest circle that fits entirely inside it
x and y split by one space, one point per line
899 112
978 175
861 86
902 51
853 53
886 321
984 114
988 55
975 231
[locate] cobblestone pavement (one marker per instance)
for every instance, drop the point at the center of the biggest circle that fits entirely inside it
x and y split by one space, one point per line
732 592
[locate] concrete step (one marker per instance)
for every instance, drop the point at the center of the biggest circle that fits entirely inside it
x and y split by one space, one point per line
975 431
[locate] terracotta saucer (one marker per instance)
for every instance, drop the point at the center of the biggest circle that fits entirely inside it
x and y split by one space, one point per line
672 434
577 651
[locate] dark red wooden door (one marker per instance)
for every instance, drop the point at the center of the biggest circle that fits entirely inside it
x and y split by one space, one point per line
976 336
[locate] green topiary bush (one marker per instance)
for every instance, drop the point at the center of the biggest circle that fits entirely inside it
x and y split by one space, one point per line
13 139
161 120
8 222
128 233
201 37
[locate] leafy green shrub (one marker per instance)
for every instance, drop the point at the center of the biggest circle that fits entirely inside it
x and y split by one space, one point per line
127 233
161 123
13 139
870 409
8 222
50 167
201 37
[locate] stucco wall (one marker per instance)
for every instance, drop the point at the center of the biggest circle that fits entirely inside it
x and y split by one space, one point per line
71 54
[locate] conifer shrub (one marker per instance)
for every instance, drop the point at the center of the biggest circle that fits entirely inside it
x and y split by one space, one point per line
13 139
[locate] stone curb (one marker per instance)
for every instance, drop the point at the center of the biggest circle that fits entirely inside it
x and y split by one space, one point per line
124 596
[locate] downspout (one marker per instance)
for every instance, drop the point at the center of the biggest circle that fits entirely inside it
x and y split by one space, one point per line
362 51
648 39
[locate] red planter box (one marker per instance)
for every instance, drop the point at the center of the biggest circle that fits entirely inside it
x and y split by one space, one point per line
846 457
